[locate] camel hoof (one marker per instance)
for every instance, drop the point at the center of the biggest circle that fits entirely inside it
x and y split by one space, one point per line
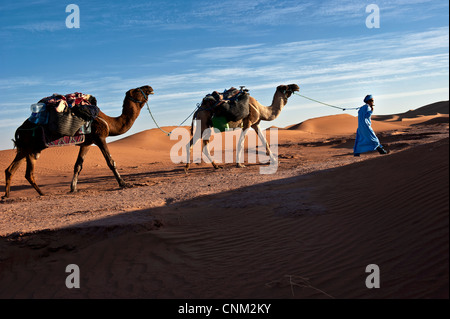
126 185
218 167
240 165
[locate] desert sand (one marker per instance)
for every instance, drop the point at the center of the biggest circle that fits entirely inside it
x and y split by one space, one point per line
306 232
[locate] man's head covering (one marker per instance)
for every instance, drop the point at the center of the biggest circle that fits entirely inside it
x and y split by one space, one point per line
367 98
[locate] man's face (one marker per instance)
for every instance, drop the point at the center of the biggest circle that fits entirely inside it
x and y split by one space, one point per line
371 102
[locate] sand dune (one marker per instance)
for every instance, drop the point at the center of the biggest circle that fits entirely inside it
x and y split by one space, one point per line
308 231
342 124
433 109
347 124
160 142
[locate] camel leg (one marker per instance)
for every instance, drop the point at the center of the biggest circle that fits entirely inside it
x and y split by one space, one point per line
198 135
188 154
78 166
261 136
101 143
29 175
208 154
9 172
205 151
240 148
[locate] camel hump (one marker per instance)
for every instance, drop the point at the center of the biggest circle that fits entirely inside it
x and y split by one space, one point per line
234 106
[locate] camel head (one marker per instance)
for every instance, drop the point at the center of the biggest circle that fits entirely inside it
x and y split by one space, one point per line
288 90
140 94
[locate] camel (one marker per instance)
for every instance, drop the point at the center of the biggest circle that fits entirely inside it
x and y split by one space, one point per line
102 127
257 113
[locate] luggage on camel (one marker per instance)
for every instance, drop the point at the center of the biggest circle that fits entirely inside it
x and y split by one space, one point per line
65 115
58 120
230 106
64 123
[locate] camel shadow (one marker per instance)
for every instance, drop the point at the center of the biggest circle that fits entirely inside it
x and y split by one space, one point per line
105 183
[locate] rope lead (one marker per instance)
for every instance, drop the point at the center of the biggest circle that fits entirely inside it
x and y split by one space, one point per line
336 107
168 133
198 106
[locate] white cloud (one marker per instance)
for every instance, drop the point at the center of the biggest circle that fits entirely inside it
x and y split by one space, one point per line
9 123
44 26
415 93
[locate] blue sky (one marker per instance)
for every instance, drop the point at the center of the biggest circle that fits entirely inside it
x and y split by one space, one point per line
186 49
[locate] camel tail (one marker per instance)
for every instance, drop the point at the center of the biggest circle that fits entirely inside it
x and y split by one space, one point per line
14 143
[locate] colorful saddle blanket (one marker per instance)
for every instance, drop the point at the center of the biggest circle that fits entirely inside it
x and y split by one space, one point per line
65 141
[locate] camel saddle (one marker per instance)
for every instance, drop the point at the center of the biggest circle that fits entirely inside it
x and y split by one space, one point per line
232 104
65 115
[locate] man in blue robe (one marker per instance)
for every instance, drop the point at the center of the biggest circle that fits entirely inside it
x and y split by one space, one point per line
366 140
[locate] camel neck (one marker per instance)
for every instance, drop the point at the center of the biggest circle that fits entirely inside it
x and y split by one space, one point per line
270 113
121 124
